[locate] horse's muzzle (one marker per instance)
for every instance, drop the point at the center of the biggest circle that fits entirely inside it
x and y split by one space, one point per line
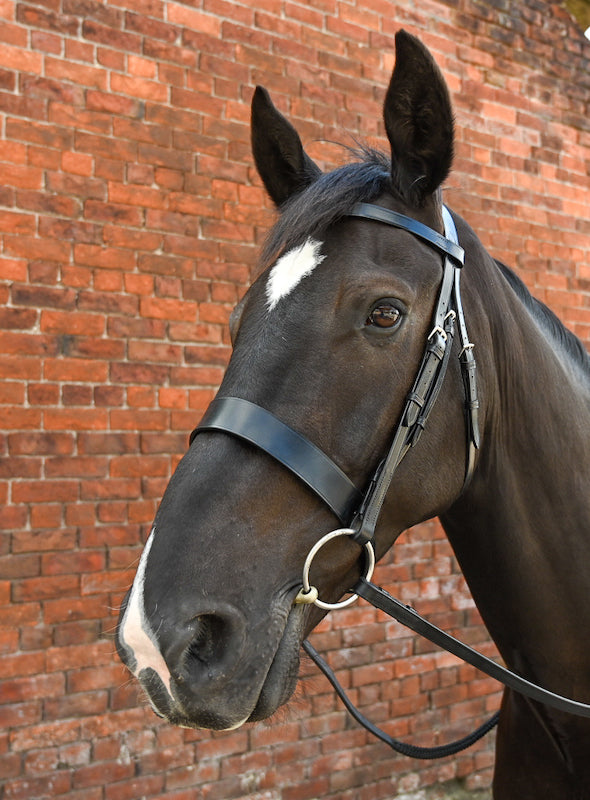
212 671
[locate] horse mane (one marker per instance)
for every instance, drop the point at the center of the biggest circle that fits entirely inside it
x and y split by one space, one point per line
548 320
328 199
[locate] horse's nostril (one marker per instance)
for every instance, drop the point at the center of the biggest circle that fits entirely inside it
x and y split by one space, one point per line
211 645
206 647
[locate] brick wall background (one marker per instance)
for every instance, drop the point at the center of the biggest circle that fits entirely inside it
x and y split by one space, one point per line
130 216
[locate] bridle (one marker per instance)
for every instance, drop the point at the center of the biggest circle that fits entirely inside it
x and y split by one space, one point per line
359 511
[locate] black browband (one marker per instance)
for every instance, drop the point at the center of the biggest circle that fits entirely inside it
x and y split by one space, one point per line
445 246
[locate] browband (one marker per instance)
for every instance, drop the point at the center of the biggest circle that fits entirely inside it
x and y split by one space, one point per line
428 235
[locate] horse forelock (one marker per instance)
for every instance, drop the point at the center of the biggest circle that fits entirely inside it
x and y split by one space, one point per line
326 201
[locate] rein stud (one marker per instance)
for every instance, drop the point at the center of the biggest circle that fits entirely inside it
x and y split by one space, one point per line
309 597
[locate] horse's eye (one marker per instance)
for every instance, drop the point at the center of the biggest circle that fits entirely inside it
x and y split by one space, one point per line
384 315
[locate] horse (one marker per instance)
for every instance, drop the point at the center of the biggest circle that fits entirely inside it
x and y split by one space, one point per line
326 343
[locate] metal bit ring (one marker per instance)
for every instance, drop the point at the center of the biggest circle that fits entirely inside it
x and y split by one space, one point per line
309 593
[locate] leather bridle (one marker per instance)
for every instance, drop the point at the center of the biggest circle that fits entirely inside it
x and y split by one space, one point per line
359 511
258 426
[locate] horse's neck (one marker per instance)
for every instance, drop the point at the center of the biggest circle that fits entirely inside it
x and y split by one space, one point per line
522 529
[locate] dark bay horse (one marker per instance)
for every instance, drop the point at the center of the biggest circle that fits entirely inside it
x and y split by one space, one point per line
328 340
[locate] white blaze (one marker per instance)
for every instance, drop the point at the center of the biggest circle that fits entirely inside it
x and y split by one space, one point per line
136 632
291 268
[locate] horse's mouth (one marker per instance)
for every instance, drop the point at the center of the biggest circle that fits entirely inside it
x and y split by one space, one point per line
255 691
281 678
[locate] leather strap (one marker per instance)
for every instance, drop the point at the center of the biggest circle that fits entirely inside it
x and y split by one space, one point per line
258 426
406 749
382 600
468 363
431 371
418 229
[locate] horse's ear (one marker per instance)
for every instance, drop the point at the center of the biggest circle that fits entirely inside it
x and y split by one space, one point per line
281 162
419 121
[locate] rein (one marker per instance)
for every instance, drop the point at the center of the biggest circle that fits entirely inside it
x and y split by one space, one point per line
360 510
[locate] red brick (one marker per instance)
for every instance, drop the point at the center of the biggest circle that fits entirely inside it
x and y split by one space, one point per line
76 395
75 324
78 74
12 269
70 633
45 587
113 104
172 398
126 466
41 443
114 581
10 766
93 775
113 489
111 213
76 563
44 491
22 177
20 689
138 373
109 535
28 344
109 258
46 516
108 443
76 370
46 786
38 762
15 566
12 394
204 23
20 665
141 396
81 419
81 466
39 394
42 539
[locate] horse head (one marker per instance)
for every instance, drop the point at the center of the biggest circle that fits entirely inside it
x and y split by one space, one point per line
327 340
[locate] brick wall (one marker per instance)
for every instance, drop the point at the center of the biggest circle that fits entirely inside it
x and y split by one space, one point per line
130 216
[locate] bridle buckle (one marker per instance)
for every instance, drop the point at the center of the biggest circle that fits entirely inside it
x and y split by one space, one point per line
440 331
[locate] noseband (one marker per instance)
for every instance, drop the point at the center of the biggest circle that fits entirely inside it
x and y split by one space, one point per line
359 511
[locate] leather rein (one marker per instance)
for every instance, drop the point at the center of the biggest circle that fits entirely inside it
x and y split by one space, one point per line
359 511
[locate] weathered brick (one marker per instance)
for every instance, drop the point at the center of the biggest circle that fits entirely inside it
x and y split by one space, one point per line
41 443
46 786
18 689
41 540
78 74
